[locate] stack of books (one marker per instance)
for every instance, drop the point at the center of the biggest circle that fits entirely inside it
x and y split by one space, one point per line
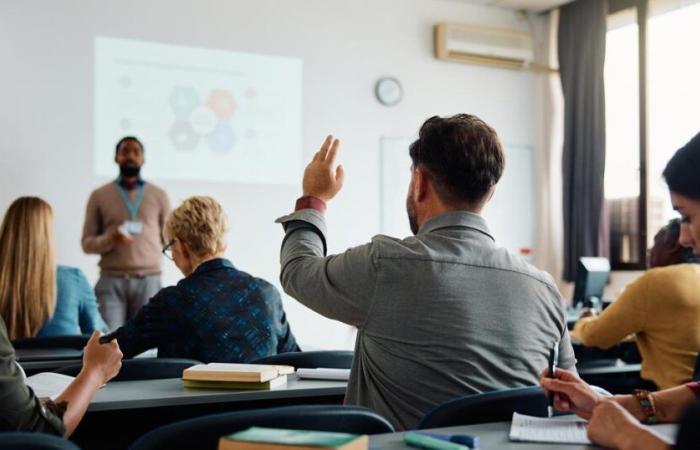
235 376
278 439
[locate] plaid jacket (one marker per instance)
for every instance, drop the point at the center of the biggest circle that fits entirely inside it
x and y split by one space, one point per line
216 314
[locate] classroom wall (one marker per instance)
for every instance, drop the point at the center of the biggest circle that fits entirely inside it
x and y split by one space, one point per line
46 86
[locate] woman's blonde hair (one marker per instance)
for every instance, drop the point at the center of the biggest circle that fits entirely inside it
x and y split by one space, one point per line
201 223
27 267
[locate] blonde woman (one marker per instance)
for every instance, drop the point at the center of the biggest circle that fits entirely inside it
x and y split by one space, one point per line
217 313
27 288
36 297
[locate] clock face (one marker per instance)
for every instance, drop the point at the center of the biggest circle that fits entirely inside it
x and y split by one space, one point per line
388 91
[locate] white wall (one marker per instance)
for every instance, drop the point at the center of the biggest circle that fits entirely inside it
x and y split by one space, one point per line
46 85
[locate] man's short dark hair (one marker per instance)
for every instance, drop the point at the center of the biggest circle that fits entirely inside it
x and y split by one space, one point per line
462 155
682 173
128 138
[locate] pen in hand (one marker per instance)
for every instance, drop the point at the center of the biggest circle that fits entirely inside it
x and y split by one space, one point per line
551 373
109 337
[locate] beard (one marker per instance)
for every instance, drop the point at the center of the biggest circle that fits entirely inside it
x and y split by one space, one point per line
411 212
129 170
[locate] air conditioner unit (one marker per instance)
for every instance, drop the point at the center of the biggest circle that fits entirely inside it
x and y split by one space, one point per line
483 45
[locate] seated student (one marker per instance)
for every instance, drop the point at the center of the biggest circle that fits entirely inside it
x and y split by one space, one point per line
617 422
662 307
217 313
441 314
29 278
21 410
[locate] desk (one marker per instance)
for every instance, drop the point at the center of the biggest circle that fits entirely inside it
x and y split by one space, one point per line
617 367
34 360
493 436
129 395
140 406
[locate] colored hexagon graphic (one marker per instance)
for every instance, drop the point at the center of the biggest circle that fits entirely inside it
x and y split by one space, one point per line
222 138
203 120
222 103
183 100
183 136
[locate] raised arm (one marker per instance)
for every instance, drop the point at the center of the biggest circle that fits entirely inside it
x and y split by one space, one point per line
340 286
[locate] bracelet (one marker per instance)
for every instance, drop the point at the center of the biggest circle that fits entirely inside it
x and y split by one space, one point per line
646 401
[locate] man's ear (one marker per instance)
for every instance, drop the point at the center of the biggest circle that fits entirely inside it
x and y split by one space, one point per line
420 184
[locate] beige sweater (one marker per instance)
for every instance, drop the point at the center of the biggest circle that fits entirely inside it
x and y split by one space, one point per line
106 209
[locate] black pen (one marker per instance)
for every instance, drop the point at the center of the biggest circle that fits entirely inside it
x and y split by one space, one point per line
552 371
109 337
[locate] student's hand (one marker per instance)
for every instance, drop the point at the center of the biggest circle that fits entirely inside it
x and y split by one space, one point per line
322 179
117 236
613 426
101 360
570 393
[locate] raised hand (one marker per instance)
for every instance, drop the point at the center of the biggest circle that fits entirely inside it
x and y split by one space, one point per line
322 178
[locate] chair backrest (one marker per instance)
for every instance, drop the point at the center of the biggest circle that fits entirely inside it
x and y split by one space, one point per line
330 359
497 406
142 368
204 432
696 372
77 342
31 441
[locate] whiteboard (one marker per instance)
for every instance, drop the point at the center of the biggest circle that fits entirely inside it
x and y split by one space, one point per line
509 214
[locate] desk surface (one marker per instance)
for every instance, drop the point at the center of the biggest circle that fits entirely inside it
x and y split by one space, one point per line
47 354
120 395
492 436
618 367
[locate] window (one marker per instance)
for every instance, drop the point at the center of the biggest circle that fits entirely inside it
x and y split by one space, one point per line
624 162
674 96
652 92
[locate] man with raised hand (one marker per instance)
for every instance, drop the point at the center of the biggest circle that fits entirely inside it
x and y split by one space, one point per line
441 314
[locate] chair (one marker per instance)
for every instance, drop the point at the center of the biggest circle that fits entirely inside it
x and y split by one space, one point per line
494 406
142 368
77 342
204 432
16 440
329 359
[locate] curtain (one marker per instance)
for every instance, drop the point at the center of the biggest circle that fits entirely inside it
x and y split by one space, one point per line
549 111
581 39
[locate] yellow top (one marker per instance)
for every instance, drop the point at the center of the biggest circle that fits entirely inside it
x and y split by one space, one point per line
663 308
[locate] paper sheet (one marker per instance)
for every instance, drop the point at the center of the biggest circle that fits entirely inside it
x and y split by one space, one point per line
562 430
569 429
324 374
47 384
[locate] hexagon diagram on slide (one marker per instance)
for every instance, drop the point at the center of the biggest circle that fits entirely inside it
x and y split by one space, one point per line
222 103
183 100
183 136
222 138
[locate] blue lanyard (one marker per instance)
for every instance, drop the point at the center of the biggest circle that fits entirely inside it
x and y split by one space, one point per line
133 207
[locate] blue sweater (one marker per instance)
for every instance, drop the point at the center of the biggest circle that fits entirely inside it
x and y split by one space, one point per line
76 307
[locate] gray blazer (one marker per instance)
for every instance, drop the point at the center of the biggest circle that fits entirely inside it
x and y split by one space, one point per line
442 314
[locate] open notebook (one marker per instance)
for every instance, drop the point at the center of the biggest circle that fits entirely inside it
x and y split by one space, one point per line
565 430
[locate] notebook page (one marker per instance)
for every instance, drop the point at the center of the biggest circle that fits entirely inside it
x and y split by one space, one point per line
555 430
47 384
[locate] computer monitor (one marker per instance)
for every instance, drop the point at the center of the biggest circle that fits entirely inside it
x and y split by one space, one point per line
592 275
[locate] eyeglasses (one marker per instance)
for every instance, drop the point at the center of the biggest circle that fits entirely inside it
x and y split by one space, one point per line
168 250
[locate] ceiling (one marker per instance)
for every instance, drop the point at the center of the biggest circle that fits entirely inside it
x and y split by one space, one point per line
528 5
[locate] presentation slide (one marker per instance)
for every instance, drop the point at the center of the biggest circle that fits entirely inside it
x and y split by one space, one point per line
203 114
